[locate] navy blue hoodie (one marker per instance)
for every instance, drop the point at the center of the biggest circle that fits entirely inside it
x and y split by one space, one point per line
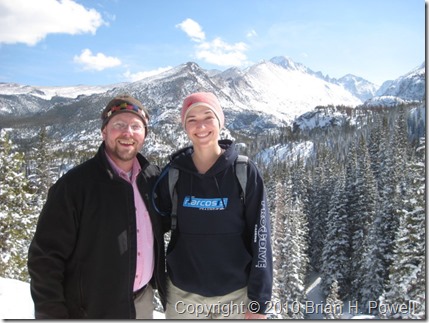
220 245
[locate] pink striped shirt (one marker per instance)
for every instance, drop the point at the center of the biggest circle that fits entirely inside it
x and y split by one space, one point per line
145 240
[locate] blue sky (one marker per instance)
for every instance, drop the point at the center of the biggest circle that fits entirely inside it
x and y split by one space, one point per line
101 42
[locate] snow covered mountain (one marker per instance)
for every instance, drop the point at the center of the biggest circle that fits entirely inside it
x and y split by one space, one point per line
48 92
279 87
261 98
358 86
17 99
282 89
410 87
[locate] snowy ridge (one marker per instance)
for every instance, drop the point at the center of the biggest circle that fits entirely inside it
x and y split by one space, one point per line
275 92
48 92
385 100
290 79
258 99
358 86
292 152
410 87
288 92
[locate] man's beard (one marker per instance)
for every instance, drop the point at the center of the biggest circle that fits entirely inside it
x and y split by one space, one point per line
125 155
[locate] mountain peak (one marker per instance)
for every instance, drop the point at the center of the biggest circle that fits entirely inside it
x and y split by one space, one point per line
285 62
409 87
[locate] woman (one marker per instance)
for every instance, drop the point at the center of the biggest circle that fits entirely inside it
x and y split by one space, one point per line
219 257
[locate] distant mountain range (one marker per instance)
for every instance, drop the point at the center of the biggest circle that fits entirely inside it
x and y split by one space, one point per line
406 88
260 98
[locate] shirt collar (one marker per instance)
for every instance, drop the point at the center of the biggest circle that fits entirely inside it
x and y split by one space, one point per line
135 170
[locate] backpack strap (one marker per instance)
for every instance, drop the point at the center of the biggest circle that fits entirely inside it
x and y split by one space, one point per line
173 176
241 173
155 187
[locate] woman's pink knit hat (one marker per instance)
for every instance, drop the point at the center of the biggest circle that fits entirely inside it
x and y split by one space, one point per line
205 99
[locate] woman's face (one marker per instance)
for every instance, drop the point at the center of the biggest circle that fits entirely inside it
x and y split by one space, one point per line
202 126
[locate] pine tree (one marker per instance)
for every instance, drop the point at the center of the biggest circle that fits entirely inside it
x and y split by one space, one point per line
392 157
279 252
392 179
41 167
290 245
318 198
336 249
275 191
295 253
365 208
352 198
407 273
372 269
334 304
17 220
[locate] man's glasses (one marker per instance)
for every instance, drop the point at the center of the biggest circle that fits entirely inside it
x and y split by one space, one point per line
123 126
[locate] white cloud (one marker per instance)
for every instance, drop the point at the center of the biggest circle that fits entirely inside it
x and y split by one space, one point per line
141 75
217 51
28 22
192 29
97 62
220 53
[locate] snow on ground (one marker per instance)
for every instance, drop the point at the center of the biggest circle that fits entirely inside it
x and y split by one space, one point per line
16 301
316 303
315 297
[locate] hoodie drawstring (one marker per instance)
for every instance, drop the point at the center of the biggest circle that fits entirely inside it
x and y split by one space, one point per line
218 190
190 195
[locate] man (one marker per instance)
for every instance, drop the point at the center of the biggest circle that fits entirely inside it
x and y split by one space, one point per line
98 249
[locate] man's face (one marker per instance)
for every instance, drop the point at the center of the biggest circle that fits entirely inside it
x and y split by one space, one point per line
124 137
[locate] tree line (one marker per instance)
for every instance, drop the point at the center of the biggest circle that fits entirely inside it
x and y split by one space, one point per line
354 213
